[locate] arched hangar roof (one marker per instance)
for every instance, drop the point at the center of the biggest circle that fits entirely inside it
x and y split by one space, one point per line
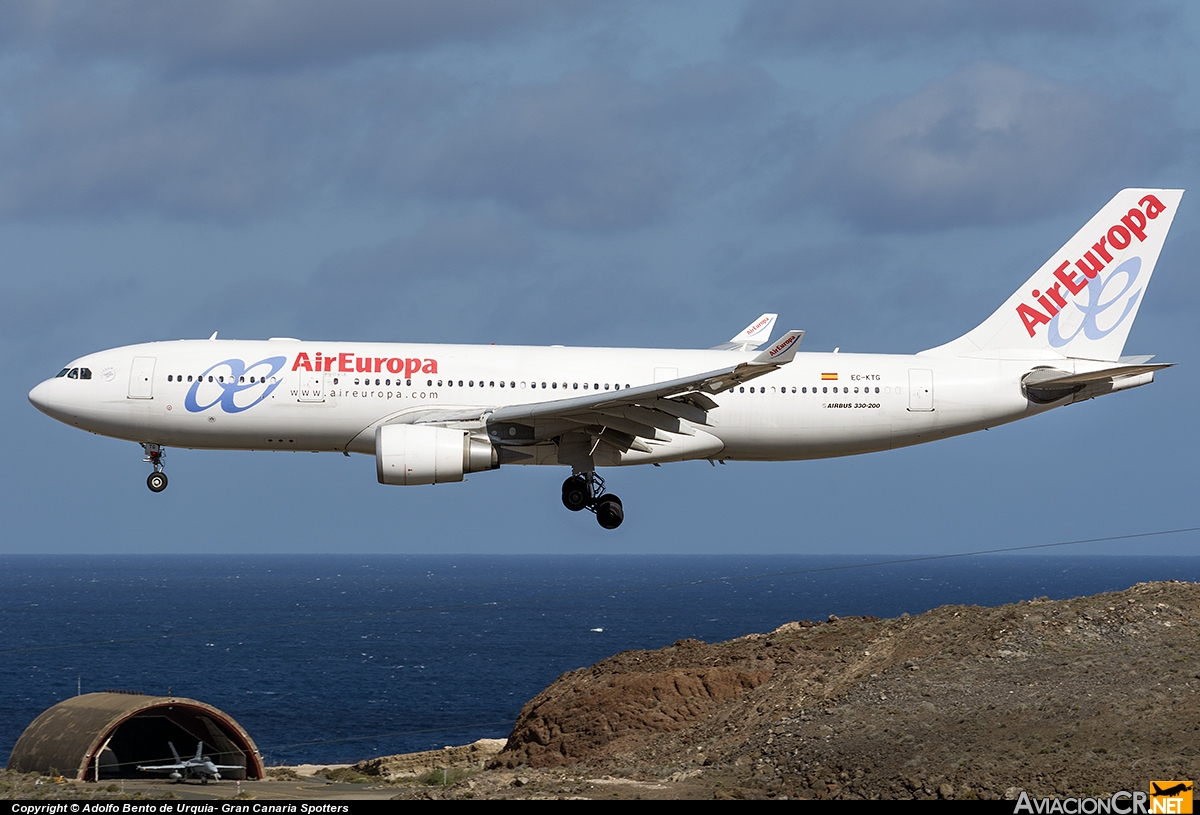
110 733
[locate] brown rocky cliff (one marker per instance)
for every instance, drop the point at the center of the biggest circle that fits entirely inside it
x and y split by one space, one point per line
1053 697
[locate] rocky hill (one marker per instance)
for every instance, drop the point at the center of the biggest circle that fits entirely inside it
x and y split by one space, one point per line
1074 697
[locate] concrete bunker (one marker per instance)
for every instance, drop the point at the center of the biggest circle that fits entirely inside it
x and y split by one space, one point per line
99 736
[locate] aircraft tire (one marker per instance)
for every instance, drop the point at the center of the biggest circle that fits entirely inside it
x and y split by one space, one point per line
575 493
157 482
609 512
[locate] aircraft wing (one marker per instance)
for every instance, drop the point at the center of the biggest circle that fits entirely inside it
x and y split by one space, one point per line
750 337
163 767
632 413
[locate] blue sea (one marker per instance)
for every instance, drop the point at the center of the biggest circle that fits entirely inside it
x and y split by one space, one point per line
332 659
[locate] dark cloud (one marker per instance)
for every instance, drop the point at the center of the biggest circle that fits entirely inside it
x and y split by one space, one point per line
789 25
989 144
454 246
264 34
204 148
592 151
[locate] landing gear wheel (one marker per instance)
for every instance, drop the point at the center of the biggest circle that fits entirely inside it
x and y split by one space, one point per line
609 512
576 493
157 482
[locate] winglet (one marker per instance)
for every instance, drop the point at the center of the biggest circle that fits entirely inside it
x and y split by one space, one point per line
750 337
782 351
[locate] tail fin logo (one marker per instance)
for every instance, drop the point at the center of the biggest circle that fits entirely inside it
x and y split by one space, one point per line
1086 276
1097 305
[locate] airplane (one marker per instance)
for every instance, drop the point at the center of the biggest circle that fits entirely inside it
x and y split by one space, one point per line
198 767
1172 791
431 414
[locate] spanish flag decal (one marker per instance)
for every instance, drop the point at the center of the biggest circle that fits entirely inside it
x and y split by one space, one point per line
829 377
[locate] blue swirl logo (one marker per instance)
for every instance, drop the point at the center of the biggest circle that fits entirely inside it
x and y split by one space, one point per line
1097 305
225 383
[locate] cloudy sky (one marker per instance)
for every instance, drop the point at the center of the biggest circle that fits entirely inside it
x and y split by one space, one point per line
640 174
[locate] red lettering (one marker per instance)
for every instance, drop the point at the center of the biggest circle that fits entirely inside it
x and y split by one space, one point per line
1089 265
1118 237
430 367
1153 206
328 363
345 363
1136 222
395 365
1100 248
1031 317
1056 296
379 361
1068 279
411 366
1046 304
362 365
302 362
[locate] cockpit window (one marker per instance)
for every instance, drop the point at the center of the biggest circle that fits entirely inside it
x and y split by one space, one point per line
74 373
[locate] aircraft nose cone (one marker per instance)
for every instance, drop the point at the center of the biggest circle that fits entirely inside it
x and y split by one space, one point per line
39 397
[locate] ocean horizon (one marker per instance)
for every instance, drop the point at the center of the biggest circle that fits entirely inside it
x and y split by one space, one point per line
337 658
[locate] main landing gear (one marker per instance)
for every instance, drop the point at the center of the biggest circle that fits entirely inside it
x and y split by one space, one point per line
157 481
586 491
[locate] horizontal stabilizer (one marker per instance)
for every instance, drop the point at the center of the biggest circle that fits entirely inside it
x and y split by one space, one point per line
1045 385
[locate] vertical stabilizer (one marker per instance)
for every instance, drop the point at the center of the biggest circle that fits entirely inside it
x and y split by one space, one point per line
1083 301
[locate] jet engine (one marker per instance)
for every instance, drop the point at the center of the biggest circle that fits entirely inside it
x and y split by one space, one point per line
407 454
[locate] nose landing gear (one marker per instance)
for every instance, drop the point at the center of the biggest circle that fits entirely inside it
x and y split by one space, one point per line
586 491
157 480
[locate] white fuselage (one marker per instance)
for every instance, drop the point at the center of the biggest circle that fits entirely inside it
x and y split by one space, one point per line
313 396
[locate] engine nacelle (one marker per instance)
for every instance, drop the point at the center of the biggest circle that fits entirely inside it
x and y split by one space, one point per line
408 454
